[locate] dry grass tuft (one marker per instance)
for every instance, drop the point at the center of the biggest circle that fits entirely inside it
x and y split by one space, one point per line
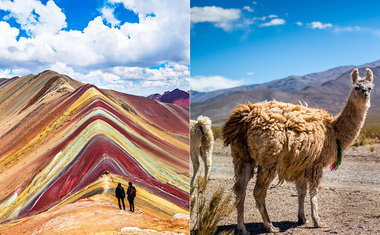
208 211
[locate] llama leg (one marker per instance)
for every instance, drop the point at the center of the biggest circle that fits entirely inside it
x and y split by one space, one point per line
264 178
206 157
195 161
317 173
243 173
301 191
314 208
240 189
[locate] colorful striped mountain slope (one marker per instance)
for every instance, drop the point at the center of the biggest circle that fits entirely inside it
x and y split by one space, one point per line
62 141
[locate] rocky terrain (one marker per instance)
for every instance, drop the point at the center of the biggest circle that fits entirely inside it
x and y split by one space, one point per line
349 198
94 215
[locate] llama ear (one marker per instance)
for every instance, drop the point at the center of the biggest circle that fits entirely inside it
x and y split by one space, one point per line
354 75
369 76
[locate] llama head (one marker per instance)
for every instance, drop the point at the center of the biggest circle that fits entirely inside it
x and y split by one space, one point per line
362 86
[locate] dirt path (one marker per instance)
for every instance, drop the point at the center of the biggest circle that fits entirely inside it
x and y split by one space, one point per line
88 216
349 199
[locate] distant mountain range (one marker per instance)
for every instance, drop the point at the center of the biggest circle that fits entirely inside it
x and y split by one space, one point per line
289 84
330 95
175 96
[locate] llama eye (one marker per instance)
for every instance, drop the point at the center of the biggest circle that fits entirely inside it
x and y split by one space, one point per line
356 88
369 88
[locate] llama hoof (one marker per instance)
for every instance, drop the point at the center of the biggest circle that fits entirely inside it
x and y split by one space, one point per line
272 229
319 225
302 221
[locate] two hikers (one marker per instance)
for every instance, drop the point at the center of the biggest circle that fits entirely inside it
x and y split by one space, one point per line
131 192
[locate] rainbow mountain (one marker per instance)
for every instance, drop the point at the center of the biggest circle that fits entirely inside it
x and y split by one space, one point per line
63 142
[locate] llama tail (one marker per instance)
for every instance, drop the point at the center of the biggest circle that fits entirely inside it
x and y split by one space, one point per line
204 124
235 127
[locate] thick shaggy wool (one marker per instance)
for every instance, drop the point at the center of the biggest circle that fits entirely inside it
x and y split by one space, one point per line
289 136
201 143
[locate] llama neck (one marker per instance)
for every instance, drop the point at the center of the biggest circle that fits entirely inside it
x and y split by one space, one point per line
348 123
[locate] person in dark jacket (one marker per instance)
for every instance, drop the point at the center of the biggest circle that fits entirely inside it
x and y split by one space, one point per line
120 194
131 192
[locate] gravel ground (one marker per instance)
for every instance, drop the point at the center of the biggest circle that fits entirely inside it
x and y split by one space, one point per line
349 198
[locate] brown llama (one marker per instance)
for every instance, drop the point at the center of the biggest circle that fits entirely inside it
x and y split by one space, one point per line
201 143
293 141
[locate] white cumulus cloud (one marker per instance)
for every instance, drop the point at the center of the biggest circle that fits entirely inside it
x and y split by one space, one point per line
34 17
273 22
248 8
108 15
5 73
210 83
8 36
220 17
99 48
319 25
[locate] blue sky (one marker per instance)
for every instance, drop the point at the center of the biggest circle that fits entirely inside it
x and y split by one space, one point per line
138 47
247 42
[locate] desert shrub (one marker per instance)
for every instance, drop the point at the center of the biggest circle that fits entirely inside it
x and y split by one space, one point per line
217 132
208 212
368 136
359 141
